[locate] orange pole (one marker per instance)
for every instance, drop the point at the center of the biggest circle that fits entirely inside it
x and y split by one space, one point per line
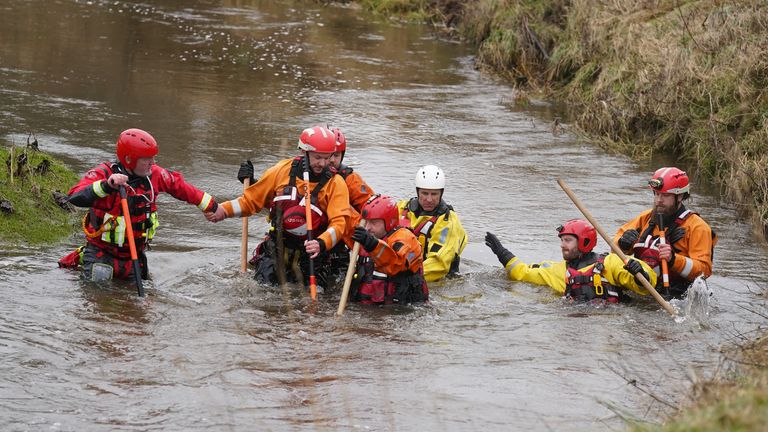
308 208
131 241
663 240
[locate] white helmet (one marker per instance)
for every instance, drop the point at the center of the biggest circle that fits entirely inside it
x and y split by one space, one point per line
430 177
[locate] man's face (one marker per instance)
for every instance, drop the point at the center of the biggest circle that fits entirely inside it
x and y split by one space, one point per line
569 245
664 203
144 166
429 198
318 161
376 227
336 159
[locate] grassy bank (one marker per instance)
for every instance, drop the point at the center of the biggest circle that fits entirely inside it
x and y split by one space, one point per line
735 403
30 212
680 77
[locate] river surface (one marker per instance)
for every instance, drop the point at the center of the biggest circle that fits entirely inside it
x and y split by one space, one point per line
220 81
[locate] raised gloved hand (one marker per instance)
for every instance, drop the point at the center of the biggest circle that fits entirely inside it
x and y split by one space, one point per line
628 239
675 235
501 252
246 172
366 239
634 267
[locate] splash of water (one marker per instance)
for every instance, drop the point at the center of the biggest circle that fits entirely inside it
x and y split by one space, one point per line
697 303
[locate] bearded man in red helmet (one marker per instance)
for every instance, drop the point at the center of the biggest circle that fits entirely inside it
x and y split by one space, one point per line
281 190
583 275
107 254
390 266
689 240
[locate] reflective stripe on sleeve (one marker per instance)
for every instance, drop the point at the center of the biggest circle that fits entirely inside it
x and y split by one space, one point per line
688 267
334 240
236 210
205 201
98 189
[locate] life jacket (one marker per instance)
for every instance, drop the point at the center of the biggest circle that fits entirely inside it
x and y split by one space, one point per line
106 228
344 171
291 203
373 287
583 282
423 231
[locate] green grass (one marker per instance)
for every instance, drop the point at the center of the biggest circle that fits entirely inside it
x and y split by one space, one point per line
36 218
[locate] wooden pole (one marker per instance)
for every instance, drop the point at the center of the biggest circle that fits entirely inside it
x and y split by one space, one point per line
614 247
350 273
244 237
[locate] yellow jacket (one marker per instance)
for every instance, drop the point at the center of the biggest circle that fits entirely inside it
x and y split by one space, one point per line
553 274
333 199
442 240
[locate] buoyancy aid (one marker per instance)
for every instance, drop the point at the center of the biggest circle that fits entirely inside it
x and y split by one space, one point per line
111 222
583 281
291 202
370 286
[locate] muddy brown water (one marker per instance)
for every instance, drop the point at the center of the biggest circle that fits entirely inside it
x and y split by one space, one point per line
209 349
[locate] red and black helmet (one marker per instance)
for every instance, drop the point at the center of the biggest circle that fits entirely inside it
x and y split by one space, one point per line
382 207
134 144
583 231
341 140
670 180
317 139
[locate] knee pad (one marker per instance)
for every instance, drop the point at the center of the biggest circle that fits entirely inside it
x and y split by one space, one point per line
101 272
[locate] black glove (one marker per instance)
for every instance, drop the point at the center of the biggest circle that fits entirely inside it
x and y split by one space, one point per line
628 239
634 267
366 239
246 172
503 254
675 235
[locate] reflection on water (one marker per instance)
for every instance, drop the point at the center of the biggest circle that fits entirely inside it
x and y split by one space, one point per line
217 82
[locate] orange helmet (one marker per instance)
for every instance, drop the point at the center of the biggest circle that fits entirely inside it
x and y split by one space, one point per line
583 231
317 139
341 141
382 207
670 180
134 144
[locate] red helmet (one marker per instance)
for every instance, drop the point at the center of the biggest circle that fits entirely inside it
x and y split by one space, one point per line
669 180
382 207
317 139
134 144
341 141
583 231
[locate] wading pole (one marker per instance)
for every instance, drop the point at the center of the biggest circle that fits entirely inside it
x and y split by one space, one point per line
279 247
615 248
663 240
308 207
244 239
131 241
350 273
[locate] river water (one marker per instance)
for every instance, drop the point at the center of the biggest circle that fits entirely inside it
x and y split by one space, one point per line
219 81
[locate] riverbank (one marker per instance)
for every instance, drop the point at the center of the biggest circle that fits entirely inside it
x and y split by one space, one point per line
642 78
683 78
33 207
